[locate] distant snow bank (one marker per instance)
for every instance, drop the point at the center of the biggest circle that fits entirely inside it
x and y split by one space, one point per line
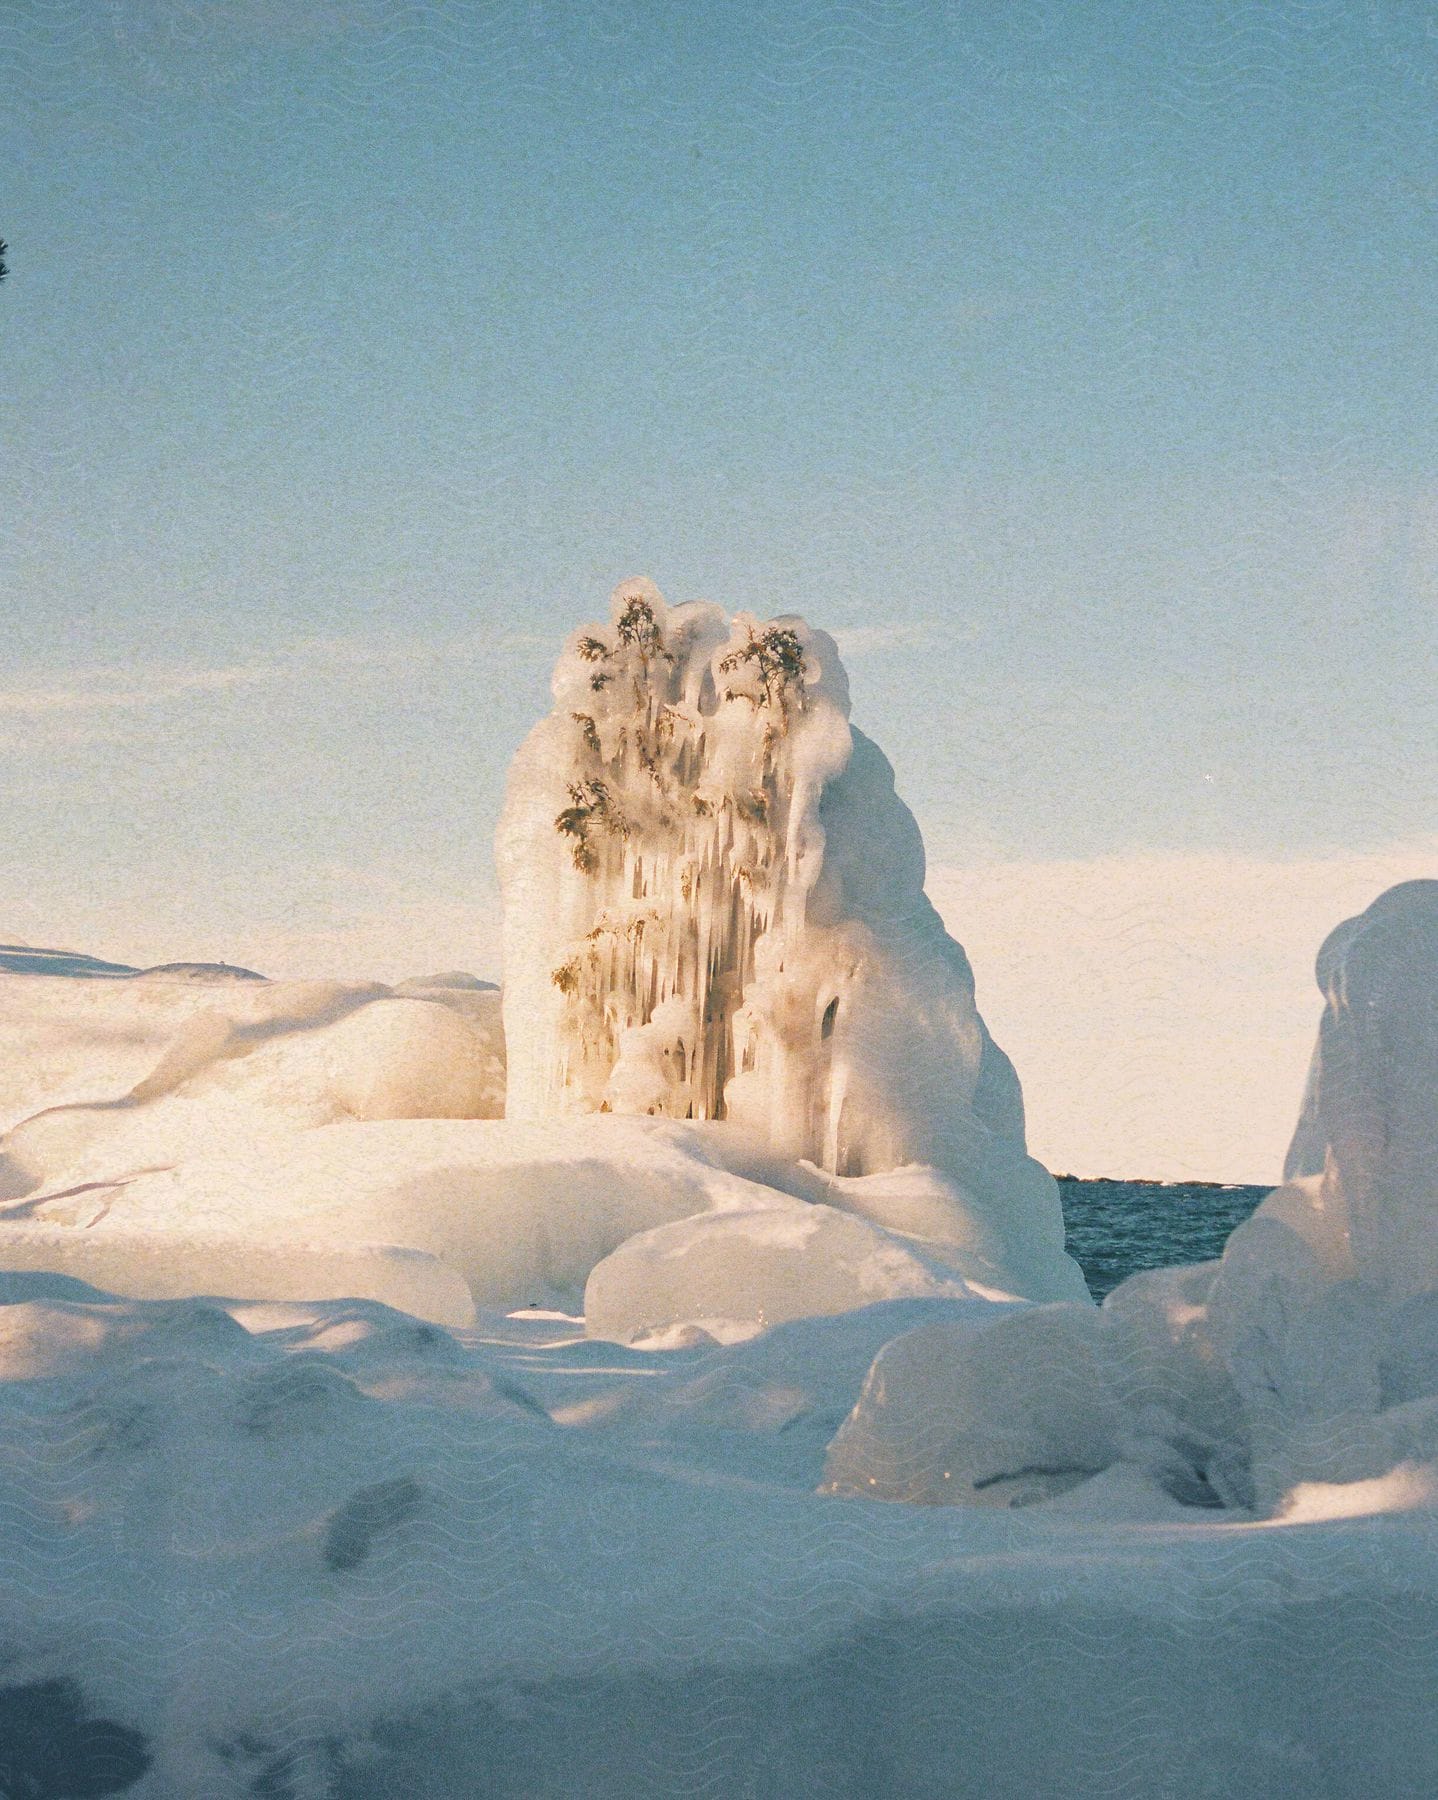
26 959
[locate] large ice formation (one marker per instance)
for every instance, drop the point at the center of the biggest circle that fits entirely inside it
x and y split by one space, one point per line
714 910
1299 1372
717 936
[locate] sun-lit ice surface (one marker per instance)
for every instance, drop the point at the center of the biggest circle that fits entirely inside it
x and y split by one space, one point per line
1304 1361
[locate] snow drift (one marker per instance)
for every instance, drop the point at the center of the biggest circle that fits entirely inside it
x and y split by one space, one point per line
1297 1374
309 1050
324 1550
294 1141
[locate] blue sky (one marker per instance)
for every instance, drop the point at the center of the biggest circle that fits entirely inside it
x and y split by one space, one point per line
1075 361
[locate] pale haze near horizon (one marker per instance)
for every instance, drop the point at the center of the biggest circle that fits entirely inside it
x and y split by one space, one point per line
1076 371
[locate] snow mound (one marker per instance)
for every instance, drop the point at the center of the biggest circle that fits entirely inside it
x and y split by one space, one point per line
479 1003
1297 1374
184 1180
198 971
261 1057
714 909
668 1224
101 1043
1005 1416
743 1271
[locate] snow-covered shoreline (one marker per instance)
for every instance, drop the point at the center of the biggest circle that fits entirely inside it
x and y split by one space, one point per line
724 1415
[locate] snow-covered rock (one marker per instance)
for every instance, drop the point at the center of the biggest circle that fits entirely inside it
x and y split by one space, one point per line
1005 1416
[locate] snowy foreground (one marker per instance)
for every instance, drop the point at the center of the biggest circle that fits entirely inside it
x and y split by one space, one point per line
328 1550
702 1404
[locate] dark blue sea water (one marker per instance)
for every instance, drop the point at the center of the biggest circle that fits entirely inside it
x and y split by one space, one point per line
1117 1227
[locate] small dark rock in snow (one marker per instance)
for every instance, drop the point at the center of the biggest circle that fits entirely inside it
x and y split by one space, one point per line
353 1527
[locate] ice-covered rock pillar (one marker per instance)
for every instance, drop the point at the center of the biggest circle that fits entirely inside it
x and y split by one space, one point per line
714 908
1369 1126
